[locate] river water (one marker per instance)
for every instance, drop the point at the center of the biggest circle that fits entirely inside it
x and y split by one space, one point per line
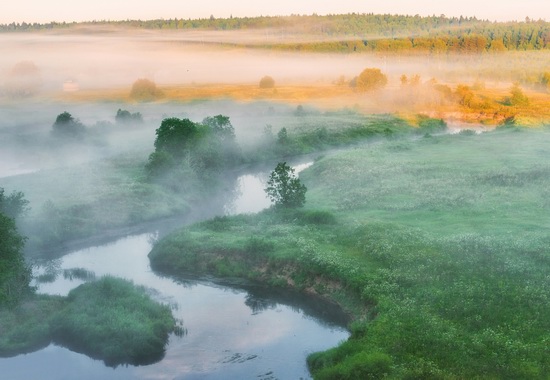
232 332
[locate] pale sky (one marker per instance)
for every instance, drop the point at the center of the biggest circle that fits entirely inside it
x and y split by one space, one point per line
74 10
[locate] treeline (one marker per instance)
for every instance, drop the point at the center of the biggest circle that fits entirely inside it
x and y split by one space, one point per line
359 32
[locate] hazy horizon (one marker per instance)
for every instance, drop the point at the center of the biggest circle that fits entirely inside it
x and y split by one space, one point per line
31 11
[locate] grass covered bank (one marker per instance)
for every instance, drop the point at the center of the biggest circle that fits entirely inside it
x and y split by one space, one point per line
109 319
439 248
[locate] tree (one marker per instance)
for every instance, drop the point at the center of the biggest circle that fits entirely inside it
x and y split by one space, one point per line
371 79
24 79
125 117
267 82
15 274
67 126
13 205
284 188
174 136
145 90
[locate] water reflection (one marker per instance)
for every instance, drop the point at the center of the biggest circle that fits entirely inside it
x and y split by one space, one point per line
239 332
244 332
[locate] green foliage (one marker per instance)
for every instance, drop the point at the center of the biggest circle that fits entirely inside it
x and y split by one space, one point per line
187 152
284 188
176 136
114 321
26 326
15 274
361 365
125 117
66 126
438 288
267 82
371 79
145 90
13 205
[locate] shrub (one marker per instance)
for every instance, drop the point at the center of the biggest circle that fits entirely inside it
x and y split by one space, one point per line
66 125
114 321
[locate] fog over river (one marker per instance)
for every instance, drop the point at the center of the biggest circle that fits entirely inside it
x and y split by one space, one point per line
233 331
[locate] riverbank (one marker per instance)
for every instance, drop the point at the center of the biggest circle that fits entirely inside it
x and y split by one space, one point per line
428 243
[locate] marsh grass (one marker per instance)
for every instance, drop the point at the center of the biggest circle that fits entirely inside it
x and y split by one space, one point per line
438 246
114 321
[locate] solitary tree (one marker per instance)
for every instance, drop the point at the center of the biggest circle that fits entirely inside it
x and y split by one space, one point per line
284 188
267 82
145 90
24 79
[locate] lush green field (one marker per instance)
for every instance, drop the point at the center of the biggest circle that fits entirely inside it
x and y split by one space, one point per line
437 246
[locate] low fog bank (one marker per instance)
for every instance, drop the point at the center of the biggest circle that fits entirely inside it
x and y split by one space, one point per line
28 141
35 63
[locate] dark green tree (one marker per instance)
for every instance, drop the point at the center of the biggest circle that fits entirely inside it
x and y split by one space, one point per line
145 90
125 117
67 126
221 126
175 136
284 188
13 205
15 274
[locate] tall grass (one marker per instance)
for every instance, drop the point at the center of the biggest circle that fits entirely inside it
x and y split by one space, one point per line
114 321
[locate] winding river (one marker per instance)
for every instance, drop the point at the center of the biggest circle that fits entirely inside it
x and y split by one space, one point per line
236 331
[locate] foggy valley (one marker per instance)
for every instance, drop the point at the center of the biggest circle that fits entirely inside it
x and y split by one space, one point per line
323 197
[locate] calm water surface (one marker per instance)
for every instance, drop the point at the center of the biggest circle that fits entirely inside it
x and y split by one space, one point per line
237 332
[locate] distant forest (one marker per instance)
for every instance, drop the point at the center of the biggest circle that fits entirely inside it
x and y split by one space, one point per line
358 32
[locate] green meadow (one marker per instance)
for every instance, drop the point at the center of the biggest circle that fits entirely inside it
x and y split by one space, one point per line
437 246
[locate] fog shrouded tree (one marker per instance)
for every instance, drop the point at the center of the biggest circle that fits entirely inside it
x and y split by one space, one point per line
66 125
284 188
221 126
125 117
145 90
15 274
371 79
24 79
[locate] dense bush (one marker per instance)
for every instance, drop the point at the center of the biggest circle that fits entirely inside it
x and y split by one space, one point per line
114 321
370 79
66 126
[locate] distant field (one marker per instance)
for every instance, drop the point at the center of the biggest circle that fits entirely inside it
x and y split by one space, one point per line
488 105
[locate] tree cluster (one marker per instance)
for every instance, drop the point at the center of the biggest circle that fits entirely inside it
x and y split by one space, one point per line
189 150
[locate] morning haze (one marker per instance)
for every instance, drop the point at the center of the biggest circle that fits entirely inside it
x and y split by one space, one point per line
331 193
